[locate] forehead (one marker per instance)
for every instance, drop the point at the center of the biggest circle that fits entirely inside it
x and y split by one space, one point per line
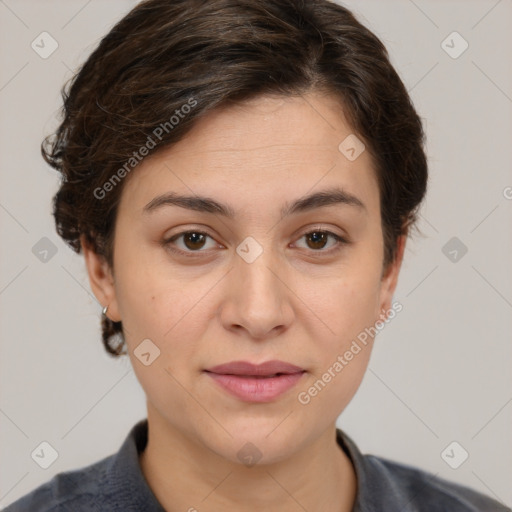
267 149
312 121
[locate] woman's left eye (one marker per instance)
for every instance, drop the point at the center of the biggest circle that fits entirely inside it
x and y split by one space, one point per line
195 241
319 240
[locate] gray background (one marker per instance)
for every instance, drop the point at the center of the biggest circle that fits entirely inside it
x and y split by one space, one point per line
440 371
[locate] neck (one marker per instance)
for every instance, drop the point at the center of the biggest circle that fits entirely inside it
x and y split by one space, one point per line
186 476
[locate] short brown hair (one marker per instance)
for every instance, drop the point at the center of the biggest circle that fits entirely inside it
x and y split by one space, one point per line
164 53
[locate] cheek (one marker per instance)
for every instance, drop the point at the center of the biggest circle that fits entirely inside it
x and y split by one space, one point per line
329 391
341 356
172 313
347 309
169 318
345 305
155 297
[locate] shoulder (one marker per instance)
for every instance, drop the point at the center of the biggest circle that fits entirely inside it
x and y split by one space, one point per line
386 485
419 490
79 489
114 483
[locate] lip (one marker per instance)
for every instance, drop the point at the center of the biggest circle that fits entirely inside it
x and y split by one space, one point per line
256 383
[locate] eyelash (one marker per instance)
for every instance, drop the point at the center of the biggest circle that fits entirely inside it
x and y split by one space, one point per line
168 243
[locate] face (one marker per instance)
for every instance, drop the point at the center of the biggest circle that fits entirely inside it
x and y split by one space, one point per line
262 274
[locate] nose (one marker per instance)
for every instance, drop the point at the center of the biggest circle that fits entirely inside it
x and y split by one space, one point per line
258 298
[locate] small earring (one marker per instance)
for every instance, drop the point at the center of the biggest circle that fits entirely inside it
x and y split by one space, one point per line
104 311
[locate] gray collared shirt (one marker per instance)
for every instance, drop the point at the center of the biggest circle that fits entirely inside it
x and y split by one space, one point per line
117 484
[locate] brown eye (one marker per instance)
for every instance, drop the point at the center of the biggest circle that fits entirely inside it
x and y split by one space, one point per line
191 241
318 240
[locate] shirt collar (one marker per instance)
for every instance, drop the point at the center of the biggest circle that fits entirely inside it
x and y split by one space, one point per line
126 473
376 487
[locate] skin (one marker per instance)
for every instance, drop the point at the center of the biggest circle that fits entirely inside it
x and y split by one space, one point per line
294 303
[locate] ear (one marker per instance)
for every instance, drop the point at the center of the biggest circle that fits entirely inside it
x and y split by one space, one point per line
101 280
390 277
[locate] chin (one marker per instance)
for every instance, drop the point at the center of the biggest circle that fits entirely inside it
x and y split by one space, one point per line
256 441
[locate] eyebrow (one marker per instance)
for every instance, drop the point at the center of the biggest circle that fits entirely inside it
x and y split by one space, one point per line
329 197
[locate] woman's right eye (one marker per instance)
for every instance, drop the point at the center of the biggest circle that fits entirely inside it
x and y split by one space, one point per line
192 242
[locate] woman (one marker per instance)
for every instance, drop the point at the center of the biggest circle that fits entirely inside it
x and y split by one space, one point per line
241 178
